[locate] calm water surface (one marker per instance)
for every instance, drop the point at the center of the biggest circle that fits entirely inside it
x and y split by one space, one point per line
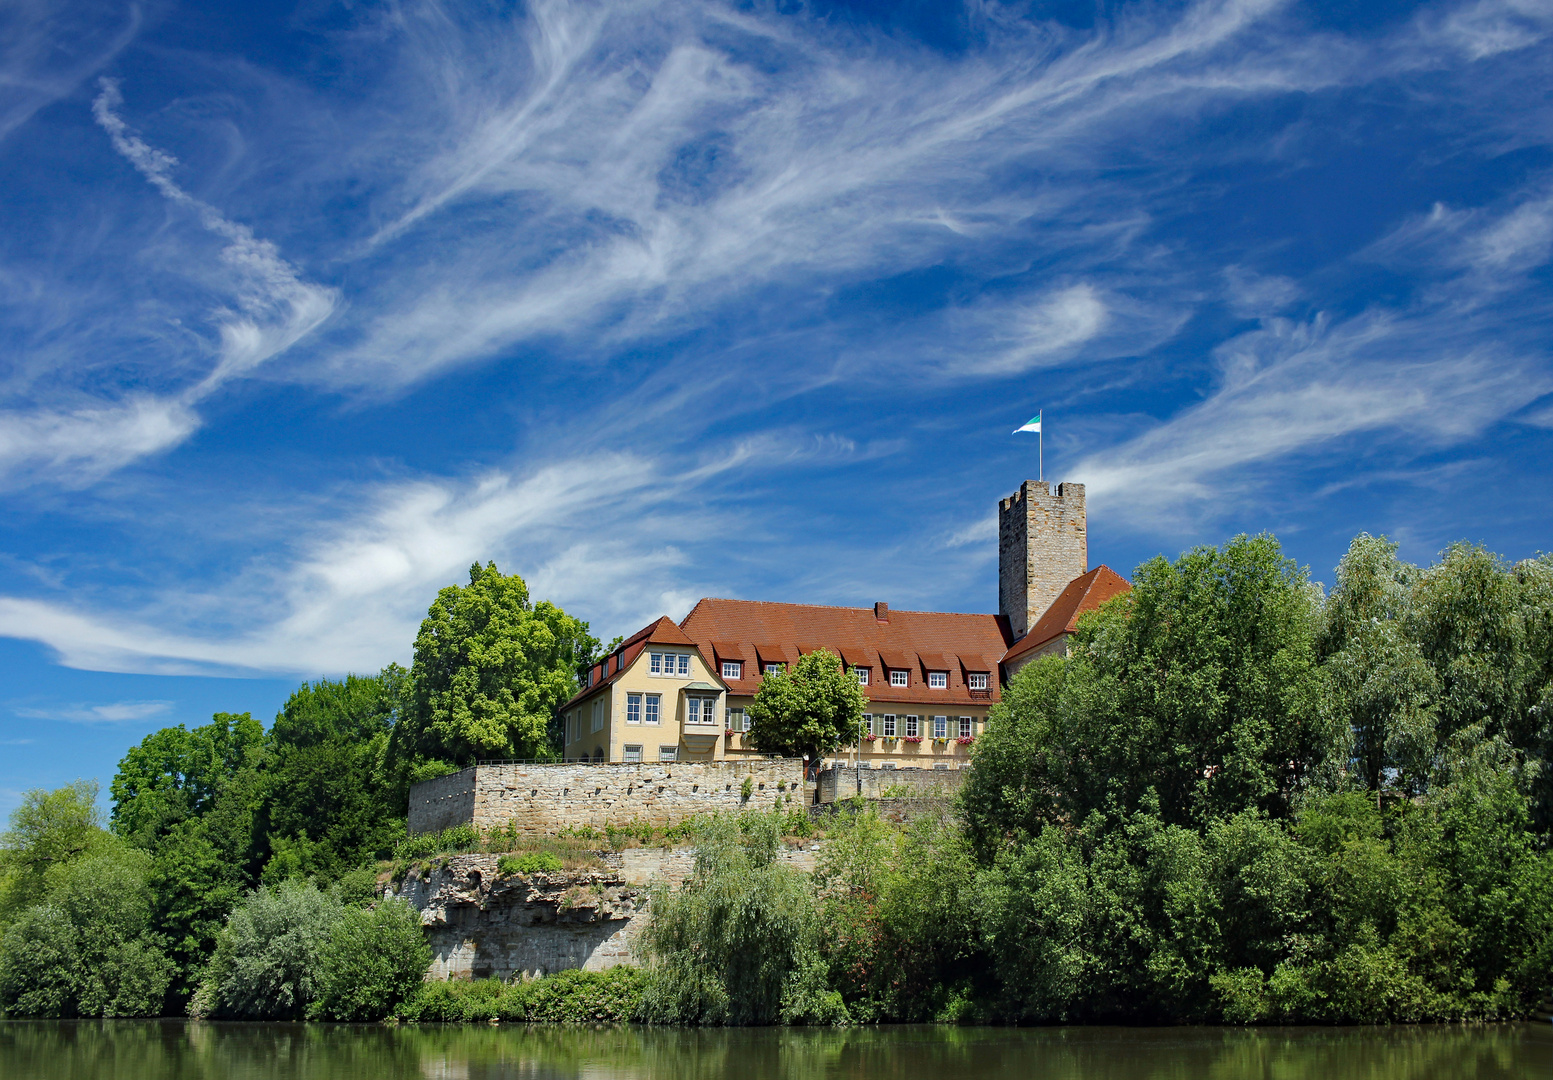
127 1050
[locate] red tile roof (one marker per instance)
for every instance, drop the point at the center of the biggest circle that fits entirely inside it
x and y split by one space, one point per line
917 641
663 631
1084 593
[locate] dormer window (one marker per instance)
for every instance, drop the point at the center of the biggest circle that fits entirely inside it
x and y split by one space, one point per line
733 669
862 675
937 680
976 680
774 668
899 677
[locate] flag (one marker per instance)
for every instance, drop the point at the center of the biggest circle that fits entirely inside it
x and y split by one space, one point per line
1033 425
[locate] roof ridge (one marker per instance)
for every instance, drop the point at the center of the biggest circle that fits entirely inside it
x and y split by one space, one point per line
838 607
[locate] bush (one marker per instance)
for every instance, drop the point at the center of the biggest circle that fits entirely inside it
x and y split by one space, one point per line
374 960
268 955
535 862
569 997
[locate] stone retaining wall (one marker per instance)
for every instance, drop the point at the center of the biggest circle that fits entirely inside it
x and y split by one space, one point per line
542 799
843 782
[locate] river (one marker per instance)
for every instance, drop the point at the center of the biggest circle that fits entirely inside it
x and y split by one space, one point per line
174 1050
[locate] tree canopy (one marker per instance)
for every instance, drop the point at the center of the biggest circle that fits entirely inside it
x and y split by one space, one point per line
490 671
814 709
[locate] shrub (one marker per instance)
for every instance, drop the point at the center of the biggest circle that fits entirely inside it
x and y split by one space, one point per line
535 862
267 955
374 960
568 997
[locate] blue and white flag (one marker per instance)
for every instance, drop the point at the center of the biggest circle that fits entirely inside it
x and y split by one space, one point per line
1034 425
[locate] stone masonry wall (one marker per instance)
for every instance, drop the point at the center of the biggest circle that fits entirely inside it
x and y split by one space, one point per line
543 799
442 803
1043 543
845 783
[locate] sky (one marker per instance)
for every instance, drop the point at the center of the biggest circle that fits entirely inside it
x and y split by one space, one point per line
306 306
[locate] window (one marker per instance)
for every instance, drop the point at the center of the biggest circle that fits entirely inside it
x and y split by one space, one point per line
700 710
769 668
868 724
733 669
977 680
966 725
656 665
940 727
633 753
654 707
738 720
684 663
862 676
911 727
633 708
899 678
937 680
889 727
598 713
888 765
668 753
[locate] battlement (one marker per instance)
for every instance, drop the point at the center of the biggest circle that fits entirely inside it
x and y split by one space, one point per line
1043 543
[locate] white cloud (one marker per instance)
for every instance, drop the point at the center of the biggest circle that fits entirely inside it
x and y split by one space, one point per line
353 595
274 308
650 161
109 713
90 441
1293 389
47 49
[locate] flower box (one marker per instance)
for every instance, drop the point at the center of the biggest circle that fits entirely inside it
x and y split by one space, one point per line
729 733
913 738
869 738
966 740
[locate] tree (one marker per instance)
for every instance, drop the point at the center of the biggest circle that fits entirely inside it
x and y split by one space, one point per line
490 671
737 943
1198 691
194 800
49 828
330 803
812 710
83 943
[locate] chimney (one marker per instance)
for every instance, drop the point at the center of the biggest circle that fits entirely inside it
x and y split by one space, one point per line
882 611
1042 545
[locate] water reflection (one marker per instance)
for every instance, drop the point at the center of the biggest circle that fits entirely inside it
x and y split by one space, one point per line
172 1050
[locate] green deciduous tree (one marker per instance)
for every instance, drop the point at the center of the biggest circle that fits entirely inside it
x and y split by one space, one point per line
330 800
1198 691
84 944
490 670
814 709
194 798
48 829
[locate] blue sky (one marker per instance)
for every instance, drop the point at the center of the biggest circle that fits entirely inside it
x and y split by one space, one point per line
305 306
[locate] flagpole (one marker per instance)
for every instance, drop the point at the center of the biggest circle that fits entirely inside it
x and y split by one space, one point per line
1042 476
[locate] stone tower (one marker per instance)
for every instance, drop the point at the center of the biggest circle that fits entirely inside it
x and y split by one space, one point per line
1043 543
